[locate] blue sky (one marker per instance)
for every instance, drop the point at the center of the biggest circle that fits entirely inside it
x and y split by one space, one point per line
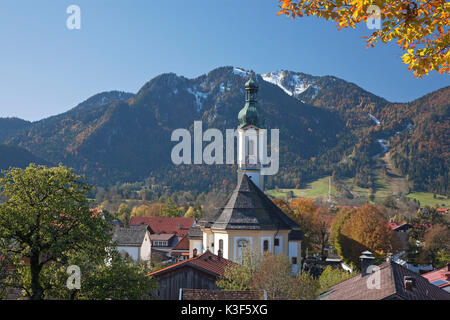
46 69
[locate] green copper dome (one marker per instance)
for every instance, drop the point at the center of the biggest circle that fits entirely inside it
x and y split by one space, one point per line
250 115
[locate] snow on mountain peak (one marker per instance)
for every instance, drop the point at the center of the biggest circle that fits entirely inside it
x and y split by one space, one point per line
291 83
241 72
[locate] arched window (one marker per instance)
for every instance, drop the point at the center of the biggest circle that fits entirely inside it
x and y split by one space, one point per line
221 245
266 245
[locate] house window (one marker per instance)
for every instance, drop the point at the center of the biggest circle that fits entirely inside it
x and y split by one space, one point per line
294 260
266 245
277 242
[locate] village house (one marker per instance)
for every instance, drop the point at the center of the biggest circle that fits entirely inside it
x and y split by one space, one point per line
199 272
180 251
440 277
388 281
134 242
165 234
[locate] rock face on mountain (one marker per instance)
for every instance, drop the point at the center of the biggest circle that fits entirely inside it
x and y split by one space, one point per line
117 136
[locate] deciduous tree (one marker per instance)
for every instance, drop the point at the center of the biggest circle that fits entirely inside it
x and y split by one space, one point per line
419 27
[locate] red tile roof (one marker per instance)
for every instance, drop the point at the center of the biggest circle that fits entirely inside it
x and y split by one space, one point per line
391 287
183 244
441 276
444 210
179 226
207 262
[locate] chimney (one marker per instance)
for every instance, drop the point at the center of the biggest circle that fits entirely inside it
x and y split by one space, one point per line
219 254
179 226
366 261
409 283
448 267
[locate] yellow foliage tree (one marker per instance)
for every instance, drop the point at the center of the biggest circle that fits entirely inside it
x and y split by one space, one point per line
419 27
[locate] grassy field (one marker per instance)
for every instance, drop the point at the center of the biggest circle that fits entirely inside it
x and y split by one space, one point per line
384 188
427 199
317 188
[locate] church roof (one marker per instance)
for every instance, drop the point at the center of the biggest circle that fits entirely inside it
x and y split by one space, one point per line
248 208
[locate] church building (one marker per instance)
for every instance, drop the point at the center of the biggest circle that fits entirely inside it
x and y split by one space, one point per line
249 220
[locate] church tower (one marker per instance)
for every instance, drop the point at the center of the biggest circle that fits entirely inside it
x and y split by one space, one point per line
251 138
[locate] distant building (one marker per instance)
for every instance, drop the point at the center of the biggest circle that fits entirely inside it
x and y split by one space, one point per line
134 242
392 282
440 277
165 232
180 251
200 272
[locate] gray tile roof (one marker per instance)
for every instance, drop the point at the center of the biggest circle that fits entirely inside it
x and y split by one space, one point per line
195 232
132 236
248 208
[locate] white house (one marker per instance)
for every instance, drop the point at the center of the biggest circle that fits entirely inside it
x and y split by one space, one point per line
134 241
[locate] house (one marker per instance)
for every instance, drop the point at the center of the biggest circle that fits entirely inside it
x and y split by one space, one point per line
134 242
195 237
169 225
442 210
400 227
440 277
199 272
388 281
165 232
181 250
249 220
401 232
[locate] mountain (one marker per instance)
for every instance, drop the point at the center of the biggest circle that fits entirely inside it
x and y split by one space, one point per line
327 126
11 156
10 127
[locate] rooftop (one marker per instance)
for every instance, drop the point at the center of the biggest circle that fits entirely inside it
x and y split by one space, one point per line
392 286
248 208
206 262
132 236
440 277
178 225
183 244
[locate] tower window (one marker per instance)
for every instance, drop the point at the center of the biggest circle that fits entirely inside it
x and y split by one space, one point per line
294 260
221 245
277 242
251 147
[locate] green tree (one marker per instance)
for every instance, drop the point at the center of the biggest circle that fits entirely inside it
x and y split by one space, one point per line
124 214
271 273
44 219
419 27
116 278
170 209
332 276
